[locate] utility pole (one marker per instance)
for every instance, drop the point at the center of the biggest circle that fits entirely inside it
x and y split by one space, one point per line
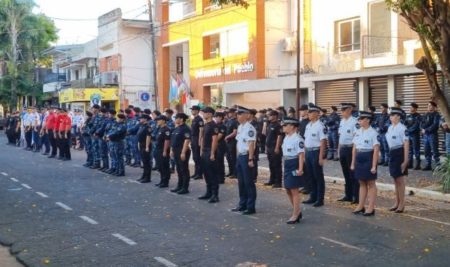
297 89
152 38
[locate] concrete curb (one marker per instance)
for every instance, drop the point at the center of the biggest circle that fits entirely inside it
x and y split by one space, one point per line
423 193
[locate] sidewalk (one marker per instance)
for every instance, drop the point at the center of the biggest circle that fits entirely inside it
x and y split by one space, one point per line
6 259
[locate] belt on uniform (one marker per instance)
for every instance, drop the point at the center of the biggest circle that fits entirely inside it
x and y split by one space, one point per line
364 150
395 147
290 157
346 146
309 149
243 154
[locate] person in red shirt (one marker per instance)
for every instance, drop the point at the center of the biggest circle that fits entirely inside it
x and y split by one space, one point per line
65 124
50 123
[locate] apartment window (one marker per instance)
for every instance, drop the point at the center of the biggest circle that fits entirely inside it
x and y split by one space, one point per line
229 42
234 41
109 63
349 35
379 28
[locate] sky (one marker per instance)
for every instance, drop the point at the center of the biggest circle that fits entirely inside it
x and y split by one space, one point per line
76 20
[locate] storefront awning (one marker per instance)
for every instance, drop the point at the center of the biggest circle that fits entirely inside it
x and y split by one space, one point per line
85 95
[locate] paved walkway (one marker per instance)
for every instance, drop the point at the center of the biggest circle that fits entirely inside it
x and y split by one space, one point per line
6 259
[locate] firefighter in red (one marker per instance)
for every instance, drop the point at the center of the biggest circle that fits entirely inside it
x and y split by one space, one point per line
64 124
50 123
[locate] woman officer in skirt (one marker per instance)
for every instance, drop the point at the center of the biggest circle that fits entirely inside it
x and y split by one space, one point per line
364 163
398 142
294 157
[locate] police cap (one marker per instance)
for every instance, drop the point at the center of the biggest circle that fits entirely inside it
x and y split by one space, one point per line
145 117
208 110
182 116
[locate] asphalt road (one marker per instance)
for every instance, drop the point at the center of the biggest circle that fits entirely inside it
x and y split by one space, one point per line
55 213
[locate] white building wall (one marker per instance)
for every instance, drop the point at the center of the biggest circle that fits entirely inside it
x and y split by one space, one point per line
324 14
280 19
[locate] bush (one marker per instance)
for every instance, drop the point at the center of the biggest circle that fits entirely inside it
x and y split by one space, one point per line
443 171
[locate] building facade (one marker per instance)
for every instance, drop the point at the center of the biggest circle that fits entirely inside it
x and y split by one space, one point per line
365 54
113 70
219 52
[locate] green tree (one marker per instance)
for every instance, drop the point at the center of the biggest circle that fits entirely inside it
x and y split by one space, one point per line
431 20
23 37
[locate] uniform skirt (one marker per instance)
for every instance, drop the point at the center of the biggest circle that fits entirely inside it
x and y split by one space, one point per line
396 158
292 181
363 165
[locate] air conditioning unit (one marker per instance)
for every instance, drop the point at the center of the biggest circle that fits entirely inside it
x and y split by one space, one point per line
289 44
107 78
91 63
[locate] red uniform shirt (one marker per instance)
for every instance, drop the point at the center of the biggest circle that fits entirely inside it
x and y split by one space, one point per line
50 121
65 123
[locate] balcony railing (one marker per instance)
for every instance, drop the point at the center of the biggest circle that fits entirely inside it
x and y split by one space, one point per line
83 83
55 77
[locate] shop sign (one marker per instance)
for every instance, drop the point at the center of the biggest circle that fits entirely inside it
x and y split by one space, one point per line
228 70
96 99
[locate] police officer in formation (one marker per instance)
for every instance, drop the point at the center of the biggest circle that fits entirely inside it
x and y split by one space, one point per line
144 137
262 120
209 144
347 129
294 157
304 121
110 121
219 118
332 124
274 139
430 127
197 128
162 151
155 130
180 141
254 123
382 127
246 147
364 163
231 125
117 136
315 146
413 121
398 141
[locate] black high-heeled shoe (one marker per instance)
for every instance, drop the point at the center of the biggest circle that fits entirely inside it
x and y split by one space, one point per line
400 211
393 208
361 211
299 217
370 213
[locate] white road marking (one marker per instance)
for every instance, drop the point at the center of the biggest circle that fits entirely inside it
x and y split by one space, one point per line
133 181
42 194
4 174
64 206
89 220
343 244
165 262
125 239
26 186
14 179
426 219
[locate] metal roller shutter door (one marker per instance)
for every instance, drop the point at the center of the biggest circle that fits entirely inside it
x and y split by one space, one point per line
332 93
378 91
415 88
